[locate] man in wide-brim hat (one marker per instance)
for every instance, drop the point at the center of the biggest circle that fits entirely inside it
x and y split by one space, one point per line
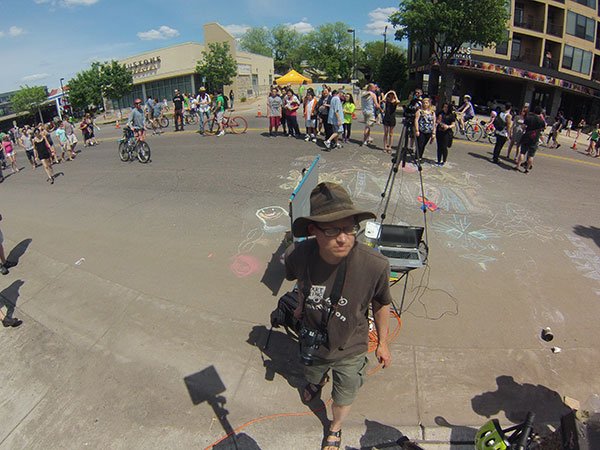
319 264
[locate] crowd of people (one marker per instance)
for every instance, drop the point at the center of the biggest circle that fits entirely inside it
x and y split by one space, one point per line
40 147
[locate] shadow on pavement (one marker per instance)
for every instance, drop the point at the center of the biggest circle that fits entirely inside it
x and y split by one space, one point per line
282 358
275 271
460 436
500 162
382 436
590 232
18 251
9 297
206 386
517 399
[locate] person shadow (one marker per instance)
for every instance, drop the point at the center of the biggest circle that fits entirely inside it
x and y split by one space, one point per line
18 250
590 232
275 272
279 353
516 400
9 297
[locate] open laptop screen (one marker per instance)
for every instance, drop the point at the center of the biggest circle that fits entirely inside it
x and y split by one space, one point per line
400 236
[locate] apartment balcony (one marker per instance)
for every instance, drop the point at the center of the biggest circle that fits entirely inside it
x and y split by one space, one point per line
555 29
530 23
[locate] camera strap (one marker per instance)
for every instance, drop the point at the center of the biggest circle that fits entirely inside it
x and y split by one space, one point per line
336 289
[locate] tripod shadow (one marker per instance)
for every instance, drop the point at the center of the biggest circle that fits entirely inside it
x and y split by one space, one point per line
206 386
517 399
382 436
460 436
9 297
275 271
279 353
18 251
590 232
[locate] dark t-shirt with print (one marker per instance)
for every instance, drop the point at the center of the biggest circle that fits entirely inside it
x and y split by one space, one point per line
178 102
367 278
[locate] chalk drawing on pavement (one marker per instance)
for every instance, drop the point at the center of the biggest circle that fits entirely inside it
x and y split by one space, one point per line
522 222
585 259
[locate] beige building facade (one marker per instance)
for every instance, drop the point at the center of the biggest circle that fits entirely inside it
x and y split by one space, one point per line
551 59
159 72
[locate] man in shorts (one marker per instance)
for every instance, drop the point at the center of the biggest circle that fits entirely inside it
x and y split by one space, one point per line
535 126
338 279
220 111
335 119
369 107
274 103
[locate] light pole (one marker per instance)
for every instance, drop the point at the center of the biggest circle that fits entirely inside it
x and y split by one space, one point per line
353 31
385 40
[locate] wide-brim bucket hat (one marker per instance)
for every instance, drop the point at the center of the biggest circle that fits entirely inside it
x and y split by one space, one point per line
328 202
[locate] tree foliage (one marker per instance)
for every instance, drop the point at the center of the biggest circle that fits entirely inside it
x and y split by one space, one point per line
329 49
445 25
217 66
287 47
29 98
116 80
86 88
369 57
110 80
391 72
258 41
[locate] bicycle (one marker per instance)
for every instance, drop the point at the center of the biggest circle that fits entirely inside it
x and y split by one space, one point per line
131 146
492 437
473 130
489 131
189 118
236 124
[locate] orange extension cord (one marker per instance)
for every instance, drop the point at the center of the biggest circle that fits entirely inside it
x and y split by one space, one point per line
372 346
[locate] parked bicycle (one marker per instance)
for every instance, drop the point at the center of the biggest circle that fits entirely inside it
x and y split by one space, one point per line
236 124
131 146
189 117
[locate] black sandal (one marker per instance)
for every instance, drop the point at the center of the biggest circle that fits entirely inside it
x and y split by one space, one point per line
334 444
313 390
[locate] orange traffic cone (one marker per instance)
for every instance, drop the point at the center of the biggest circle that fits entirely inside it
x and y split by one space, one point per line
258 114
117 122
354 115
574 146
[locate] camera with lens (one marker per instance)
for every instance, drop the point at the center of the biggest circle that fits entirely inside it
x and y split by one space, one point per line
410 112
310 341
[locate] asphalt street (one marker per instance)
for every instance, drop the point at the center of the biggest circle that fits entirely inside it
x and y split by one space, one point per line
133 278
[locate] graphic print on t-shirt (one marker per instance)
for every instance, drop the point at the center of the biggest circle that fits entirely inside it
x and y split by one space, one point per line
318 303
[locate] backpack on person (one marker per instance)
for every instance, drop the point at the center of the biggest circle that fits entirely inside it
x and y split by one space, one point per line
283 315
225 102
499 122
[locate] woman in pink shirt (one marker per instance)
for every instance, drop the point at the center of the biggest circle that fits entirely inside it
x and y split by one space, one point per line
9 151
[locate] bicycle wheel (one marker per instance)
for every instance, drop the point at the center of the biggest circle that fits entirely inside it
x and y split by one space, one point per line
193 118
164 122
143 152
238 125
492 138
473 132
123 151
211 127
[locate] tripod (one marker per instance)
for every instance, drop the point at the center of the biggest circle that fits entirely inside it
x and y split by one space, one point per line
403 153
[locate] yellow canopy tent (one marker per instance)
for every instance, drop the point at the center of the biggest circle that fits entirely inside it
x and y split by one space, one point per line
292 77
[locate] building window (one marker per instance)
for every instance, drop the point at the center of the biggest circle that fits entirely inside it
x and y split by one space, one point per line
519 14
580 26
515 52
502 49
590 3
577 60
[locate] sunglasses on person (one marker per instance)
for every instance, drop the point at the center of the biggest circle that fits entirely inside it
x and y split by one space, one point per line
334 232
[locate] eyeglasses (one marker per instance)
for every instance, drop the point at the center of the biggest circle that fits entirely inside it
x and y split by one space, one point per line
334 232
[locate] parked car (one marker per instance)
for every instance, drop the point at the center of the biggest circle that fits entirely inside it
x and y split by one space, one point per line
493 104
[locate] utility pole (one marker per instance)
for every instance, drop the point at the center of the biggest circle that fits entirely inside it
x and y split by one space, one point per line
385 40
353 31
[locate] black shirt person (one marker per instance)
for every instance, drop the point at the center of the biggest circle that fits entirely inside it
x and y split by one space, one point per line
178 110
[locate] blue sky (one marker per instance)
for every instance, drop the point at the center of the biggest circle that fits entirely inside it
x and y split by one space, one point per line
42 41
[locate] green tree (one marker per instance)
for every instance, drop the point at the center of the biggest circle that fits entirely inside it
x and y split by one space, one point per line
368 58
391 73
217 66
286 45
29 98
445 25
257 40
86 88
116 80
329 49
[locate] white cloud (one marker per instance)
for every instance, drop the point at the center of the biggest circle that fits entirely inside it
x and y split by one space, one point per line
35 77
237 30
164 32
78 2
15 31
301 27
379 19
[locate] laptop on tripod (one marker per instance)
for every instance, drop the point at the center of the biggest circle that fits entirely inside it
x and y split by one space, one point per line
400 245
